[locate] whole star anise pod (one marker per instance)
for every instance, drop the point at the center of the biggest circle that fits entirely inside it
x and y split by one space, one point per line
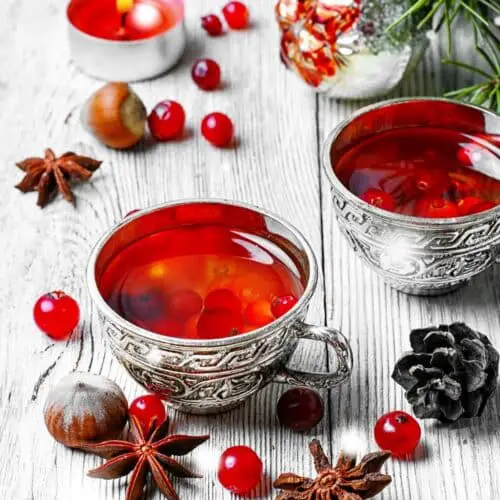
50 174
147 453
345 481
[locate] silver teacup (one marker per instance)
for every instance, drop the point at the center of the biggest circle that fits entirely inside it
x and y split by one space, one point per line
211 376
415 255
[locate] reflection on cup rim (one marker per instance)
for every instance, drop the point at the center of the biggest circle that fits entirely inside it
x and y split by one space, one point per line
288 318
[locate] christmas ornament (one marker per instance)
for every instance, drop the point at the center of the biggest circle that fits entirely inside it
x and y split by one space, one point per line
345 481
84 408
343 49
450 374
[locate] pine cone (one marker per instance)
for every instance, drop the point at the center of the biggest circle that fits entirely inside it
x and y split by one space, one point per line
450 374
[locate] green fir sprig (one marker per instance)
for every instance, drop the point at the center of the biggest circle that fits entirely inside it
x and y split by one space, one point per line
477 14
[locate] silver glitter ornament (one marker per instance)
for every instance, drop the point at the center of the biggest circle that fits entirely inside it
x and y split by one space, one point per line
342 47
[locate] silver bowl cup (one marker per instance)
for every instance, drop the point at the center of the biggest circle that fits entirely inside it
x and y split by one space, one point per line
211 376
415 255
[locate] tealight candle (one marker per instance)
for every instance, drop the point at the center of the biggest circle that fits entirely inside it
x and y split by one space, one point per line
126 40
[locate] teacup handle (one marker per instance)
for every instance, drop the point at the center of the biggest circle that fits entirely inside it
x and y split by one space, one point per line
316 380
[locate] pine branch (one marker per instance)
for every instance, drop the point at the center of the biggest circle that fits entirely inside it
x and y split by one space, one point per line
476 14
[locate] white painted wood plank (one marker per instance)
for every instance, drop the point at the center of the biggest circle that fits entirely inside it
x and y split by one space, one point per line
275 166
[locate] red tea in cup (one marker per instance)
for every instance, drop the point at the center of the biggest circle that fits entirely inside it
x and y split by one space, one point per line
424 171
201 281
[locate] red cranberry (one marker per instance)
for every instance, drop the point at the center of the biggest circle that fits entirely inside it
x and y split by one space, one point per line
183 304
300 409
168 327
379 198
56 314
219 323
240 469
483 206
222 298
212 25
148 408
206 74
397 432
237 15
145 306
436 208
258 313
432 181
466 205
217 129
470 154
167 120
281 305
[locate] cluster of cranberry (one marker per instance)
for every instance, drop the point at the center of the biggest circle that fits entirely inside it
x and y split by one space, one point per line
167 120
434 194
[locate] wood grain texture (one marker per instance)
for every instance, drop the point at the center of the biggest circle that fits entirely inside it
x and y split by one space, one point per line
280 126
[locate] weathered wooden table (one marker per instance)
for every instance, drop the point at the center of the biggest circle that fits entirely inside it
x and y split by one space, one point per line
280 126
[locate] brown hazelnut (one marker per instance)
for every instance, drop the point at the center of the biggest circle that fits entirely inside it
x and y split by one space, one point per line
85 408
116 116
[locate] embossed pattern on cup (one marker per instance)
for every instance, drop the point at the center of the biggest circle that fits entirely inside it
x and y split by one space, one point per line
415 255
211 376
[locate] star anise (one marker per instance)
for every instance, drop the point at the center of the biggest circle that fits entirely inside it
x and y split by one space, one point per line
51 174
345 481
147 452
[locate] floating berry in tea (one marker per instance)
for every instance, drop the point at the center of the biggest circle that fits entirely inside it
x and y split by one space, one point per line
206 74
466 206
281 305
436 208
217 129
166 121
240 469
219 323
236 15
300 409
258 313
56 314
183 304
212 25
379 199
199 281
148 409
147 305
422 171
223 298
397 432
482 207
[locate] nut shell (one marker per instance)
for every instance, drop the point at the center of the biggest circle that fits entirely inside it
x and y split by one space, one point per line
116 116
85 408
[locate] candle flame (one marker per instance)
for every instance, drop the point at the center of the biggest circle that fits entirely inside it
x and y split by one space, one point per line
124 6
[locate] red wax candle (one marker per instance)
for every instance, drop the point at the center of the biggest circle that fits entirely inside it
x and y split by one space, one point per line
103 19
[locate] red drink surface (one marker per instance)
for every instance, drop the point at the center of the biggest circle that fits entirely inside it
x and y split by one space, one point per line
100 18
162 281
424 172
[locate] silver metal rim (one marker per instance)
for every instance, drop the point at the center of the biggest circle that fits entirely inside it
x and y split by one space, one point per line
390 216
288 318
